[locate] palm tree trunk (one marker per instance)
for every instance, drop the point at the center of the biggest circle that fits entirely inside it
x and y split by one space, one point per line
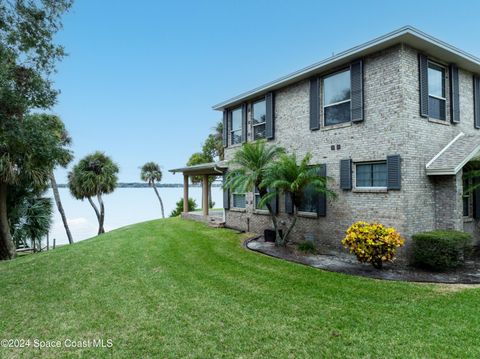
97 213
7 248
289 229
102 214
273 216
159 199
58 201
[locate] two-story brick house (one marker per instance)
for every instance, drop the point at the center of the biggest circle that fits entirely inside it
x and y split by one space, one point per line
394 121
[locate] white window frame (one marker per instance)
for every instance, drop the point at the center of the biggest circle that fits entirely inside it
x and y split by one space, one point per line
444 89
336 103
232 130
369 163
264 123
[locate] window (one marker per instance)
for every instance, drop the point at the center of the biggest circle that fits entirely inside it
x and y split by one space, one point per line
436 91
466 198
336 98
236 126
259 112
238 200
257 200
309 201
371 174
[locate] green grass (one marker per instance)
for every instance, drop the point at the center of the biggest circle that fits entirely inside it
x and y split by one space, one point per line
175 288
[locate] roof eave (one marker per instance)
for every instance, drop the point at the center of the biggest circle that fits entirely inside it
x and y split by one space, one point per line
407 34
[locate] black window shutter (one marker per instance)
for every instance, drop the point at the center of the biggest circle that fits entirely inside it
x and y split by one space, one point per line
274 204
322 198
346 174
454 94
244 122
270 116
476 101
288 203
226 195
393 172
225 128
423 79
356 88
314 104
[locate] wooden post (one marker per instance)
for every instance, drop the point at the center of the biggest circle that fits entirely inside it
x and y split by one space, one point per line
185 193
205 195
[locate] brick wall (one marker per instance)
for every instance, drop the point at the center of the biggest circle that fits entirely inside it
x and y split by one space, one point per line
392 125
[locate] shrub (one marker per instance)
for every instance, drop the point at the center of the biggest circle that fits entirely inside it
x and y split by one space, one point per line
372 242
440 250
307 246
192 206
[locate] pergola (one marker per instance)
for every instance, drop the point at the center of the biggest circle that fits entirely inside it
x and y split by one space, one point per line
204 170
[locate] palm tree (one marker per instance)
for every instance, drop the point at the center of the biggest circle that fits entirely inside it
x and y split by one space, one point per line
28 153
94 176
292 178
35 219
250 166
63 161
151 173
58 202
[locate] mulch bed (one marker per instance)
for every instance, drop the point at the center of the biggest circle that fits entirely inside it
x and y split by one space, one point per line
348 264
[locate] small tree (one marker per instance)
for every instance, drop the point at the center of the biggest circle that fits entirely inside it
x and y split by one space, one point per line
192 206
94 176
35 219
151 173
372 243
250 167
291 178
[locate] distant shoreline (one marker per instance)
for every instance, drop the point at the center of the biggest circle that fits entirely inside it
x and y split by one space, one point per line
145 185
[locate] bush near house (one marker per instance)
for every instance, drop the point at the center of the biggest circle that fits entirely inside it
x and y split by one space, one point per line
372 242
307 247
440 250
192 206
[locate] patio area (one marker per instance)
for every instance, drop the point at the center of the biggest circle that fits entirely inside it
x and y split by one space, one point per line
214 217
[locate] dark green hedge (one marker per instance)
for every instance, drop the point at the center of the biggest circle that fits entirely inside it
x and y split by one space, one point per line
440 250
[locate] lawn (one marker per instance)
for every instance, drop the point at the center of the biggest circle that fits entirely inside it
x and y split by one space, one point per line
175 288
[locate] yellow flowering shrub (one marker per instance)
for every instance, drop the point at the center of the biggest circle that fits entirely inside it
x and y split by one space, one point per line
372 242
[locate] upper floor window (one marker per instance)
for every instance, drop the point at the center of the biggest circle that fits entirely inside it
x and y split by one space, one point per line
236 126
371 174
259 112
436 91
336 98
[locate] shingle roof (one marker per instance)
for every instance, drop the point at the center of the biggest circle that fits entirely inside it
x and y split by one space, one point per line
454 156
212 168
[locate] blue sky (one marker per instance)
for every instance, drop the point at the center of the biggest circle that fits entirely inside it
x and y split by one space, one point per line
141 76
